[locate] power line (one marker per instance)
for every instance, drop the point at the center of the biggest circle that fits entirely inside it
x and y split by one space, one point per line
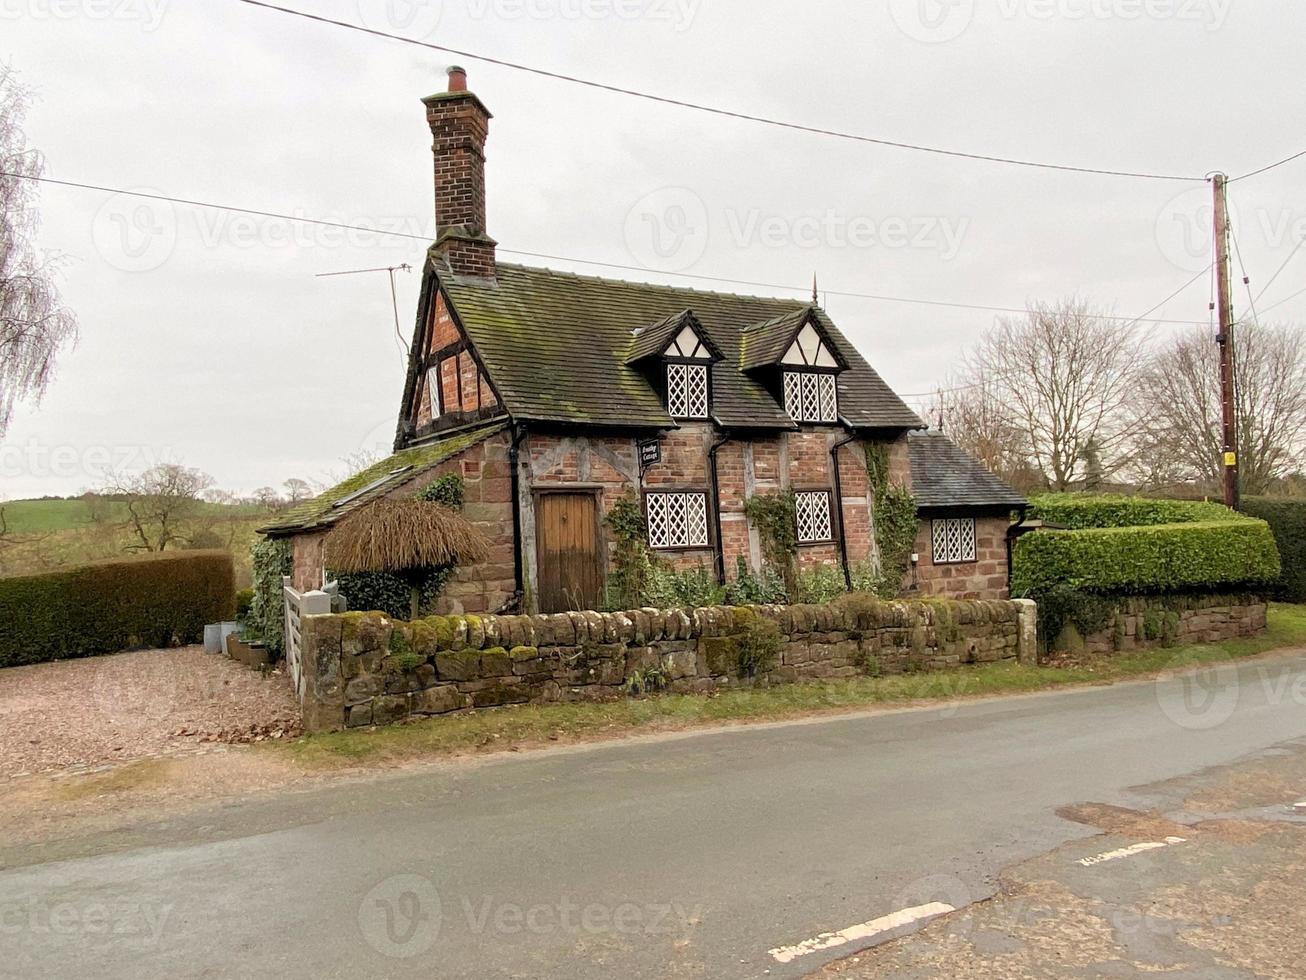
1283 265
1247 282
714 110
1133 322
1279 303
1270 166
189 202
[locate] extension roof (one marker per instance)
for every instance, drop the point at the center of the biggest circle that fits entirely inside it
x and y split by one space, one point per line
331 505
946 477
556 347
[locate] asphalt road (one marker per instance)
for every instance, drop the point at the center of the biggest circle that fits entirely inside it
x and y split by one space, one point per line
670 857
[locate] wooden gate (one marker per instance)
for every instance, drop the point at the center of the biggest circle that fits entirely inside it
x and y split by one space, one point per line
567 551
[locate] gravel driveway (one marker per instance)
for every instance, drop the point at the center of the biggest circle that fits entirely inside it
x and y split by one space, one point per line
99 710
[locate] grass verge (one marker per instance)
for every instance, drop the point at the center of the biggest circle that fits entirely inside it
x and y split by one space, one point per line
507 728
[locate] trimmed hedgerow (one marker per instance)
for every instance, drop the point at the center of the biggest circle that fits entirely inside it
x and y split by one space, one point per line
1078 511
152 601
1163 558
1287 519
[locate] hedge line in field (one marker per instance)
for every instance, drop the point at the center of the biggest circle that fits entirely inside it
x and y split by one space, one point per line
150 601
1183 557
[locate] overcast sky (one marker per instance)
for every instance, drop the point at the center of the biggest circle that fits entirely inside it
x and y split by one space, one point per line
207 339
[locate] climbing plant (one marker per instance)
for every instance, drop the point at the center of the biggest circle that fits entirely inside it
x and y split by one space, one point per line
631 563
774 517
447 490
895 520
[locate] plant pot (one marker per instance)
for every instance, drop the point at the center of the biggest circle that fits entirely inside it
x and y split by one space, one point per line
215 636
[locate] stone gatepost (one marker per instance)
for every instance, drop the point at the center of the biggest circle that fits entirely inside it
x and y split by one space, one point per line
1027 611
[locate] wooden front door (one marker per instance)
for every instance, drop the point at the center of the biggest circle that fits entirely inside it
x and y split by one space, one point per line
567 551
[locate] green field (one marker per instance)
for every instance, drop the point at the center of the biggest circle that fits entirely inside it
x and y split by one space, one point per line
52 533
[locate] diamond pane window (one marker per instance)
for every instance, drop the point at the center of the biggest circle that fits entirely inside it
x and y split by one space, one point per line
687 391
677 520
813 513
954 540
811 397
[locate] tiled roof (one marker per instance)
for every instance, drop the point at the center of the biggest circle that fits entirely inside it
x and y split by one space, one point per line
555 346
653 339
943 475
322 510
765 343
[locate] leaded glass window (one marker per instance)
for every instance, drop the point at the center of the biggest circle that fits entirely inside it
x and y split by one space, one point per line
677 520
954 540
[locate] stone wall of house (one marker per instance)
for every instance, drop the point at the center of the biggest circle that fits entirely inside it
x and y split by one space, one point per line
487 503
1152 621
366 669
790 460
985 576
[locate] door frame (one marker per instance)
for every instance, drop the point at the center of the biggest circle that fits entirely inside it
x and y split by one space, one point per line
594 490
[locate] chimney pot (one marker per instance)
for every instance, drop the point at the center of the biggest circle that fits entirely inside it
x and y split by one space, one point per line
457 79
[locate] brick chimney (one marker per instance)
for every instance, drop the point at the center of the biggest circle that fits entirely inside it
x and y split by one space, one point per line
459 125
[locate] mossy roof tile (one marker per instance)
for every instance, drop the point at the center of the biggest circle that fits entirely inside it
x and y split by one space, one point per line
555 345
322 510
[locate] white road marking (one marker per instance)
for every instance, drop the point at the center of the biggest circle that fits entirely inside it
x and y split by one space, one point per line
1129 851
866 930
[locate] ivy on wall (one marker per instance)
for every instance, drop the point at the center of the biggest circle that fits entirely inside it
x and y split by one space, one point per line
270 558
631 563
775 518
895 521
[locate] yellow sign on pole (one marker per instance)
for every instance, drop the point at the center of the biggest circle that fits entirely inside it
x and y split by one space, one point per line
1230 459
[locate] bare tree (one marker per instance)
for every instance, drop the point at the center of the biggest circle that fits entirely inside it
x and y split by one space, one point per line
158 502
1179 407
297 490
267 498
34 324
971 415
1060 376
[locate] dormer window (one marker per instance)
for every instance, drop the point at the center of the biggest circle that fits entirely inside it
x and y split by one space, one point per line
687 375
687 391
811 396
794 356
809 387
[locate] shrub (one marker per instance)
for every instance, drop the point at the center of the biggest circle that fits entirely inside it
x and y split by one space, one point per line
390 593
820 584
1162 558
1287 519
152 601
244 599
1077 511
764 588
759 647
667 588
447 490
1063 604
631 562
270 559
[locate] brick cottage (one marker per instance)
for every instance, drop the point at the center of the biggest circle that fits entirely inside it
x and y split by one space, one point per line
553 395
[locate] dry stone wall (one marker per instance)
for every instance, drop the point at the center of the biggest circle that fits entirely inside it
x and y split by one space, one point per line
1152 621
366 669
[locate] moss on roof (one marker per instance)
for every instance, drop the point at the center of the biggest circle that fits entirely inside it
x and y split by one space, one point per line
322 511
555 345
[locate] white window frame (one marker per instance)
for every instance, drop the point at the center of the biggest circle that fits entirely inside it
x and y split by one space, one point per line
812 514
953 540
687 391
677 519
811 396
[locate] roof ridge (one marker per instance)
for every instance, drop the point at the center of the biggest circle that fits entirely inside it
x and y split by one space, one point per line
562 273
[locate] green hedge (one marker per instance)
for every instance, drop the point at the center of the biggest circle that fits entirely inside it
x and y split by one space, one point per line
1078 511
1287 519
152 601
1163 558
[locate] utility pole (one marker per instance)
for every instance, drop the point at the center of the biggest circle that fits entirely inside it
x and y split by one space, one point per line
1224 304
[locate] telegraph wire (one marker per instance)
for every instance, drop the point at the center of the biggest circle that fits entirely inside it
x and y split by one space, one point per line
190 202
715 110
